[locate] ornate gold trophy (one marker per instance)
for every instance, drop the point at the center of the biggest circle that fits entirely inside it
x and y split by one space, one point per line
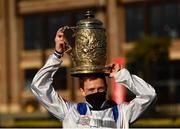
89 47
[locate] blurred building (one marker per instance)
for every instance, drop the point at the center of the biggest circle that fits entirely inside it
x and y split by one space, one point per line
27 31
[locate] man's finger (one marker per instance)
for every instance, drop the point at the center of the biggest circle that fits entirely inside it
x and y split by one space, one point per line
62 29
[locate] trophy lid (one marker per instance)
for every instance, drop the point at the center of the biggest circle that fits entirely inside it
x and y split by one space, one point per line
90 22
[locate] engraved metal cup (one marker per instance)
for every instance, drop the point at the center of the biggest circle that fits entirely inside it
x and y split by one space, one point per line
89 47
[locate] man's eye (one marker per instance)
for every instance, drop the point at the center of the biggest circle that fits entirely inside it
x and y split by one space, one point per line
101 90
91 90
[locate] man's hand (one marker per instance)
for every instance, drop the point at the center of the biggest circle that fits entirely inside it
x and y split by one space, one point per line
113 69
60 41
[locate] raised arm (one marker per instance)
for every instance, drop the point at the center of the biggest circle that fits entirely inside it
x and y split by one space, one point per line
44 91
42 83
145 93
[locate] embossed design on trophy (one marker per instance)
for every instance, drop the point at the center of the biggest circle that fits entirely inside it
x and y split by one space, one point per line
89 47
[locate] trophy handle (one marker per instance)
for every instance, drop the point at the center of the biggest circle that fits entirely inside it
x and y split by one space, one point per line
69 34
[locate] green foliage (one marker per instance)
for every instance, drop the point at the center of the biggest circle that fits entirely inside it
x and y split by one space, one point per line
148 50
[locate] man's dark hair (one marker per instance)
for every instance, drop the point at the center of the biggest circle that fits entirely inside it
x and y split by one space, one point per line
91 77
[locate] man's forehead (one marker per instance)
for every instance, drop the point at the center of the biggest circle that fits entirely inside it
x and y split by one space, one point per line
93 78
98 82
86 80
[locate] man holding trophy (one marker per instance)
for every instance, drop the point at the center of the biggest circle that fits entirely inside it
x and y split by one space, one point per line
89 57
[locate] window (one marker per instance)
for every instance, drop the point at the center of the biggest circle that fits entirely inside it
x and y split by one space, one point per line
158 20
33 28
134 16
165 20
166 82
40 30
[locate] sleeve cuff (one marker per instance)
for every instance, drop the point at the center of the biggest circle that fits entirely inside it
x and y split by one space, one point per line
121 75
57 54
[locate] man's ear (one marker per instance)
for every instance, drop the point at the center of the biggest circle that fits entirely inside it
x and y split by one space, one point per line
82 92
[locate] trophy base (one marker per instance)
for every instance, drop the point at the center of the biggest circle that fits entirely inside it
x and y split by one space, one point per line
89 71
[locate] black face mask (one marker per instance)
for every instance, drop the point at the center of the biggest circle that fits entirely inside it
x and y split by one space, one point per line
96 100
